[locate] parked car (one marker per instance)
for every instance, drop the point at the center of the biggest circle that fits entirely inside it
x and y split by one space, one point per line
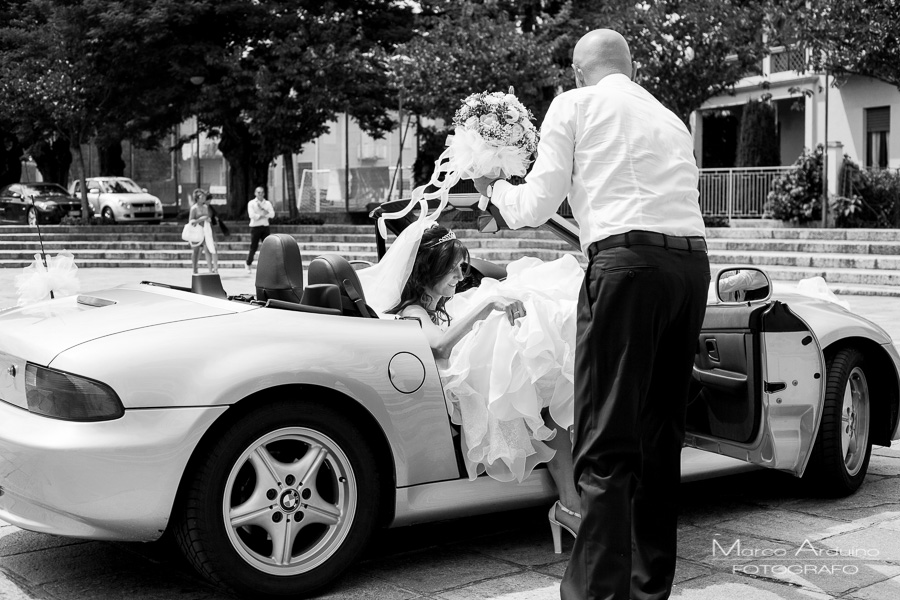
35 203
120 200
272 435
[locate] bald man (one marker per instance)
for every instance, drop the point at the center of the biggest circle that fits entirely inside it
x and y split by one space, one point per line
626 164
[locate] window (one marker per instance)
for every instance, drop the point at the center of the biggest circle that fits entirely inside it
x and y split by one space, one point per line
878 128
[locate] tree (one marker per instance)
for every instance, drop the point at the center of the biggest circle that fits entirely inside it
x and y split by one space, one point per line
76 71
462 49
850 37
293 68
688 50
758 144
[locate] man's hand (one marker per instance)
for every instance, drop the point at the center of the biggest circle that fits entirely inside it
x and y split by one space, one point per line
481 184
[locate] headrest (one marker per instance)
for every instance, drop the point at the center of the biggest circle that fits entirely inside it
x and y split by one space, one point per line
279 275
334 269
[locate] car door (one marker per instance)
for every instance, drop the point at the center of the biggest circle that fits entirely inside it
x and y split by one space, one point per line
758 385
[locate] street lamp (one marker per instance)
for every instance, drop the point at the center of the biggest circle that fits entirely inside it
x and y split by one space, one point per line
198 80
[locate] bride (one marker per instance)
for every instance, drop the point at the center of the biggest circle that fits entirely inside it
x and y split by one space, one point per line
508 380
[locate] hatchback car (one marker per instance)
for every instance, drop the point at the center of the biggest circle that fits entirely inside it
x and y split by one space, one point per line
272 434
120 200
34 203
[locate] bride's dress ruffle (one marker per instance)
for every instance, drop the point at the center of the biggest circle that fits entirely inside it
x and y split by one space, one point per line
500 376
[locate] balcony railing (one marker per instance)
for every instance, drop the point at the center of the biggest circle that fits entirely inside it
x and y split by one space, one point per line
738 193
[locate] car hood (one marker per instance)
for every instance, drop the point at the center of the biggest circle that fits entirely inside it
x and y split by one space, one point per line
60 199
39 332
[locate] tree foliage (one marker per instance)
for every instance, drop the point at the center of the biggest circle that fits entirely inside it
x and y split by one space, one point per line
851 37
796 196
687 50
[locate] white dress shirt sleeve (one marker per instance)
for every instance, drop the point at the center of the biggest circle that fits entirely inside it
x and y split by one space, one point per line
550 179
270 210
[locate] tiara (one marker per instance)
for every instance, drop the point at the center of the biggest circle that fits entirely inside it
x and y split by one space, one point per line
444 238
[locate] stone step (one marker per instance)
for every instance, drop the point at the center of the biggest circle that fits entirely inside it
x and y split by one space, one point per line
803 259
754 233
806 246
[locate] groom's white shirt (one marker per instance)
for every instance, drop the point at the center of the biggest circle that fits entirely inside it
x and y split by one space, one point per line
624 160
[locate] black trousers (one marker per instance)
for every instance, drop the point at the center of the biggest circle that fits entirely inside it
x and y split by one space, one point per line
640 312
257 234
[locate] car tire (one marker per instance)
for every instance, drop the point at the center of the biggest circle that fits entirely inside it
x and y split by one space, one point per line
32 217
840 456
107 215
260 486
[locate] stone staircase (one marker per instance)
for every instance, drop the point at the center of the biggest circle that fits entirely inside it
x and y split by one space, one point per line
852 261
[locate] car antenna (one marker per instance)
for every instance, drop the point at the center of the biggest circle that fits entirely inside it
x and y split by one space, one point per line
37 223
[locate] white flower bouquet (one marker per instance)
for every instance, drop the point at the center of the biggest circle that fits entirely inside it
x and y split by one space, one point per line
493 136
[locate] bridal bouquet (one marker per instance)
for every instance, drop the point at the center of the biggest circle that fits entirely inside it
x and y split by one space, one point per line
493 133
493 136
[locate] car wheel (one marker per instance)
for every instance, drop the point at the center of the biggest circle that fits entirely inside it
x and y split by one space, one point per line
108 216
841 453
32 217
282 503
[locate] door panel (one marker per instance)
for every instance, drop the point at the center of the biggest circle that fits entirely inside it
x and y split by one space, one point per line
758 386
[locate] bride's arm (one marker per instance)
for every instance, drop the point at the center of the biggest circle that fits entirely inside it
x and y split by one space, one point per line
442 342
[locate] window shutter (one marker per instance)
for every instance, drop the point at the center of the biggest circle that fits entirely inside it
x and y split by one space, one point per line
878 119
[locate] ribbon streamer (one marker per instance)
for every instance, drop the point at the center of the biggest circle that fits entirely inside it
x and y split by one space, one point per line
467 156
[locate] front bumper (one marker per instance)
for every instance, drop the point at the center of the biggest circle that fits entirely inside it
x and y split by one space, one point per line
112 480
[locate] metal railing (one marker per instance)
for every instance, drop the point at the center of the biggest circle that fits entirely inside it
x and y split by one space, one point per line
737 193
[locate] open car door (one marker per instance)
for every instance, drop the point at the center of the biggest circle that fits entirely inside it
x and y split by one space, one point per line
759 378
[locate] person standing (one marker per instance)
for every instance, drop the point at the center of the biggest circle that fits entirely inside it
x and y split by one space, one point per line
260 211
199 216
626 164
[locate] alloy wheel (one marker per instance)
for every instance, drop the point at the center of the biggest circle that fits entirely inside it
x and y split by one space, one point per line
290 500
855 420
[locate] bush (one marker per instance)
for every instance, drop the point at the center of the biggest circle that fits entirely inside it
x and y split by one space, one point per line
715 221
868 198
796 196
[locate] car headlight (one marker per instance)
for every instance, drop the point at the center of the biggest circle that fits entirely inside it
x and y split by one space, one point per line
45 205
69 397
125 205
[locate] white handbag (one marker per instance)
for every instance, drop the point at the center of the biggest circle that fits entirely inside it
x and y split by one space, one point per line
192 233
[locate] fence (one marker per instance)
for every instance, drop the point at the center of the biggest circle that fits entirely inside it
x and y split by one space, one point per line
737 193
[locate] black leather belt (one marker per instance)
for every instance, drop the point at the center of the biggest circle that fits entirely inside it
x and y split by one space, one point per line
649 238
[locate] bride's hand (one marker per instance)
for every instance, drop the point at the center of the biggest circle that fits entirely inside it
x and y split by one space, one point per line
514 309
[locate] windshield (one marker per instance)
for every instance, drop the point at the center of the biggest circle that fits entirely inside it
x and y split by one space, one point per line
43 189
120 186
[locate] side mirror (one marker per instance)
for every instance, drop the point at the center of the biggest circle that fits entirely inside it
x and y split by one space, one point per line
16 195
144 190
746 284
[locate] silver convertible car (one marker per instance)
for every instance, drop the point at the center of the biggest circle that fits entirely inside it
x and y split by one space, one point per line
272 434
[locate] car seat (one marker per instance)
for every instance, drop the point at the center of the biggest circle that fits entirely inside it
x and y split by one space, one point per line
336 270
279 274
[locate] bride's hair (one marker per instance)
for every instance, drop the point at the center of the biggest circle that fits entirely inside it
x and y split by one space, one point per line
438 254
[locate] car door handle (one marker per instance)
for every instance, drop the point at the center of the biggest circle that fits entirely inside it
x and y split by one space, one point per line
712 350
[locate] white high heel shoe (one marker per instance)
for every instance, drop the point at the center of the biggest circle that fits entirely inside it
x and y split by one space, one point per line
556 526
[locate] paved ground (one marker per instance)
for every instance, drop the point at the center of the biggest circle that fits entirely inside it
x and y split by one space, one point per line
755 536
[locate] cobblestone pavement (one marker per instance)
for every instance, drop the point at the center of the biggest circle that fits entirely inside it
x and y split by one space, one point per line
755 536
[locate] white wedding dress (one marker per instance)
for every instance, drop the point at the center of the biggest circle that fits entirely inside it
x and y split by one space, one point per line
500 377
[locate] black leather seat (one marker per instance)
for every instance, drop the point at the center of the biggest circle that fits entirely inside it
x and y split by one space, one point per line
335 270
279 273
